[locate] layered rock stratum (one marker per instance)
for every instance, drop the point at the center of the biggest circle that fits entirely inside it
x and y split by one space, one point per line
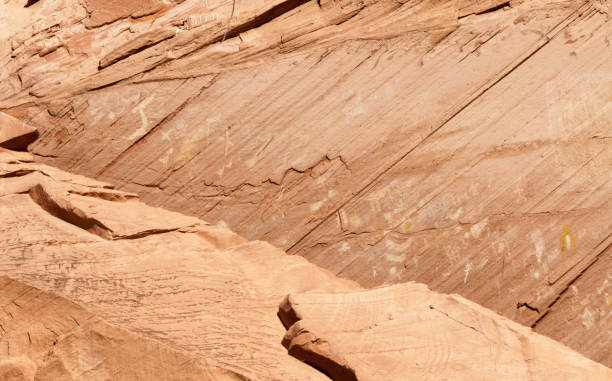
461 144
96 285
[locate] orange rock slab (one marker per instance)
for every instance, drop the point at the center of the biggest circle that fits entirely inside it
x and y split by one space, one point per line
407 332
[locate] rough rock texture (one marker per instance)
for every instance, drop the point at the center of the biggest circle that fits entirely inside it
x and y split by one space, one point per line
166 277
407 332
96 285
587 301
462 144
46 337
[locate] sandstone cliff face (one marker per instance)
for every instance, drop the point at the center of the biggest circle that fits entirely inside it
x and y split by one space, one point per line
95 285
161 275
462 144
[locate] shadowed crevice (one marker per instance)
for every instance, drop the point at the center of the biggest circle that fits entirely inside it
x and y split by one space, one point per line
64 211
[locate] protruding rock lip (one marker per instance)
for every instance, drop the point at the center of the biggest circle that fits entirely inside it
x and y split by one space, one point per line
309 348
287 314
14 134
67 212
318 353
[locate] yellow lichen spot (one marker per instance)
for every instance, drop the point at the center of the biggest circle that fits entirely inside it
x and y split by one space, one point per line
610 300
568 244
408 225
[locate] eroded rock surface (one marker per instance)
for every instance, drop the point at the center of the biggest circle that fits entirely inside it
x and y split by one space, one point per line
462 144
407 332
95 285
190 287
46 337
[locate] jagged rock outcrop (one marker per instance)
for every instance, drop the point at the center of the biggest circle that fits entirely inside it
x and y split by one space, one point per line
462 144
95 284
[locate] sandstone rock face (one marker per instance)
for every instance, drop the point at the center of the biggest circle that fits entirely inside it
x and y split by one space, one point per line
14 134
96 285
407 332
189 293
46 337
462 144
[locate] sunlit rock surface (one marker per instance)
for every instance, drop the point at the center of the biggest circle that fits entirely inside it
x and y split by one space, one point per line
462 144
96 285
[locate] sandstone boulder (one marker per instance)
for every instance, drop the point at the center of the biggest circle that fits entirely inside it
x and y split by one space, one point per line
407 332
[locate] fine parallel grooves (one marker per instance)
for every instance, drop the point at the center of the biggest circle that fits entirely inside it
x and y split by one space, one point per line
156 127
571 282
477 95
